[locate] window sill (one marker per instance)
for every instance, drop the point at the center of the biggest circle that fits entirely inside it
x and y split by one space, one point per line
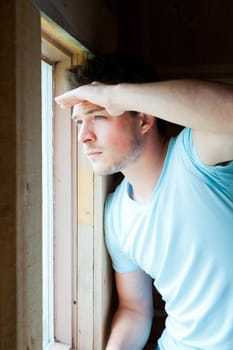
58 346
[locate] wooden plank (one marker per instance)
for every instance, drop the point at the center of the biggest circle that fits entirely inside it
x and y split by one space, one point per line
102 268
60 36
7 179
28 205
94 279
84 254
62 213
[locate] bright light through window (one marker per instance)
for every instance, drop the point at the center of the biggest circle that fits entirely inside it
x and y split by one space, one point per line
47 207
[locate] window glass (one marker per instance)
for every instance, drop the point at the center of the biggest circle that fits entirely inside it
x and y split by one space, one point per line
47 201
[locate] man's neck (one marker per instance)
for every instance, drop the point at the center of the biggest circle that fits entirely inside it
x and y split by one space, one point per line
145 173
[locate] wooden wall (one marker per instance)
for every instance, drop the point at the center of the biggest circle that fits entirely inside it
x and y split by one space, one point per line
20 171
166 33
89 21
176 32
7 180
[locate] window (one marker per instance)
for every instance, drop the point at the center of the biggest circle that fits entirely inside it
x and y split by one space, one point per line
76 275
58 162
47 200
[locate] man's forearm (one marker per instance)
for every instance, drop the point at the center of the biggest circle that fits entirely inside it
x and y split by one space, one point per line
197 104
130 330
201 105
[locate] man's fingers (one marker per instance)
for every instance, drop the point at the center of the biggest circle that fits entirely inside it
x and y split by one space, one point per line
66 101
114 112
68 98
65 106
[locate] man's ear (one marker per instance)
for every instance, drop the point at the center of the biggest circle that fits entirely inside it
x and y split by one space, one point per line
146 122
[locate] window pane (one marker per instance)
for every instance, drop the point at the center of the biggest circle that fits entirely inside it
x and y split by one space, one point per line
47 207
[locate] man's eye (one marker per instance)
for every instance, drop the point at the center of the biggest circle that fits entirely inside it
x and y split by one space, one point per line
100 117
78 122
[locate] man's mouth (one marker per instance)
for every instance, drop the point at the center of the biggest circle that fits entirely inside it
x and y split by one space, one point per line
92 154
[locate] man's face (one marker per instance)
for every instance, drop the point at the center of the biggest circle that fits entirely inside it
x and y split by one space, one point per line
110 143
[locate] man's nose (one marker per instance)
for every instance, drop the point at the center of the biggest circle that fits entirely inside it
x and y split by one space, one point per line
86 133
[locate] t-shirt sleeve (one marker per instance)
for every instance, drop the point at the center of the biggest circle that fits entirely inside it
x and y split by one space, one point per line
220 175
120 261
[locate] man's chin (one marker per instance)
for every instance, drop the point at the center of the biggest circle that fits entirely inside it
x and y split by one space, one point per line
100 172
103 172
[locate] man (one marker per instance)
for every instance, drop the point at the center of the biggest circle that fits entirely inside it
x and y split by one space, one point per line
171 218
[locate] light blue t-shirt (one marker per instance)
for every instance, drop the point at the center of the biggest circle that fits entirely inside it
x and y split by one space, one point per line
183 238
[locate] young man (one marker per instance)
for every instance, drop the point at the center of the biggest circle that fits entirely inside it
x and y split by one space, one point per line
171 218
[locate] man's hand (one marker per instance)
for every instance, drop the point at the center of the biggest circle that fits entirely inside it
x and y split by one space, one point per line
96 93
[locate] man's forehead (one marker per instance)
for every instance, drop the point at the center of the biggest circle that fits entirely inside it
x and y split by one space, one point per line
85 108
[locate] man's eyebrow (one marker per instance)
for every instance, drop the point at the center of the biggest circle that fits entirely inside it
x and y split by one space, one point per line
94 110
75 115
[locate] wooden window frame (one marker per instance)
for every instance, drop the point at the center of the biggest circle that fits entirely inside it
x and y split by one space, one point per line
82 307
64 202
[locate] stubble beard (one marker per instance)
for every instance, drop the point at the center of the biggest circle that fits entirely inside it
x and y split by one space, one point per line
128 159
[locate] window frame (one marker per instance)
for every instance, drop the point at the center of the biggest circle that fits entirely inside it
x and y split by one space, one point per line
90 285
64 166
